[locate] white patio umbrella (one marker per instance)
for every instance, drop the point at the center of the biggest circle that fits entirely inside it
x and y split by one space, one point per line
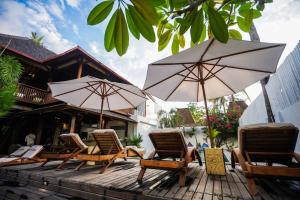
211 69
93 93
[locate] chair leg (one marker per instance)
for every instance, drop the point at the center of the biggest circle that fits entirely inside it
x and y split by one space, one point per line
44 163
103 169
141 175
62 165
80 165
198 157
232 159
182 177
251 186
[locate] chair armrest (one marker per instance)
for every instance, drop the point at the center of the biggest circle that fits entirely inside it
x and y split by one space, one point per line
297 157
240 158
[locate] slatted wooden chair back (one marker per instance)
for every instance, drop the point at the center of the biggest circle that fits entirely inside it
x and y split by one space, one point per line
20 151
169 143
72 140
33 151
277 140
107 141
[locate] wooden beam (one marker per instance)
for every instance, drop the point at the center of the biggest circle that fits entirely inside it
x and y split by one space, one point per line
39 130
92 65
79 72
67 64
73 120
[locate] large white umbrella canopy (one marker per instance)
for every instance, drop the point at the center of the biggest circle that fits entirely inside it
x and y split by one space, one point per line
93 93
211 69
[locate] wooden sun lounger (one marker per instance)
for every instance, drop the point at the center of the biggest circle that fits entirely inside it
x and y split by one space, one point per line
110 149
169 144
28 155
271 144
73 145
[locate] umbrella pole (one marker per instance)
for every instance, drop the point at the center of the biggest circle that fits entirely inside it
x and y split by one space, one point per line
212 142
101 112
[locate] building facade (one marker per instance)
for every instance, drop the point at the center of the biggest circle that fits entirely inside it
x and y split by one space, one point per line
36 111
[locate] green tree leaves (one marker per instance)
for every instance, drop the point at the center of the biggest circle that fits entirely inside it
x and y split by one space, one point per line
172 20
144 27
10 72
109 42
121 37
197 27
217 24
100 12
146 9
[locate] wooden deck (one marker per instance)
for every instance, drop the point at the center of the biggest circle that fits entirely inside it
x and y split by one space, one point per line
119 182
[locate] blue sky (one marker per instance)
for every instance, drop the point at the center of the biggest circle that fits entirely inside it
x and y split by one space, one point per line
63 23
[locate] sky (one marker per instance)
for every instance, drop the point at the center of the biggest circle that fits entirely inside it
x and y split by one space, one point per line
63 24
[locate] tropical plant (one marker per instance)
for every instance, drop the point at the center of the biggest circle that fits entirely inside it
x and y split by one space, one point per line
36 38
10 72
134 140
170 119
198 114
173 19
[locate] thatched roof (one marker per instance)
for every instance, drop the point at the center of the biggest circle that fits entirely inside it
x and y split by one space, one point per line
186 116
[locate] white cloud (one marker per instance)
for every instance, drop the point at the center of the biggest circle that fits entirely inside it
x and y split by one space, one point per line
20 19
73 3
55 10
133 65
75 29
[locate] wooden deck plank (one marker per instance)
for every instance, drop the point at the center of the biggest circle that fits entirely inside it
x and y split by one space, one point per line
119 182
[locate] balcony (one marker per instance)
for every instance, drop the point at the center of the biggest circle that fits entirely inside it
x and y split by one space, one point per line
33 95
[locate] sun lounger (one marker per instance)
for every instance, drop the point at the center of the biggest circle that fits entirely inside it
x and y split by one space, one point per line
267 150
110 149
169 144
72 146
24 155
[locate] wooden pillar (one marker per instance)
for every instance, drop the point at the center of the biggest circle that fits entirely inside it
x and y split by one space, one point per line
72 127
126 131
79 72
39 130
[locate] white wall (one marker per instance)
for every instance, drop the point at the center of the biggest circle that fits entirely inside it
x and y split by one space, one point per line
283 90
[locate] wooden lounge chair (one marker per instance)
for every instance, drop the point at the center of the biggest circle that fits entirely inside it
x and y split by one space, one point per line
110 149
72 146
169 144
270 144
24 155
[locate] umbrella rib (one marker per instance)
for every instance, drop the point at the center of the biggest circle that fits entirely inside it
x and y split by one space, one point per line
126 90
191 71
210 71
233 67
92 92
96 92
242 52
192 79
205 51
179 83
213 74
222 82
123 97
167 78
107 103
85 87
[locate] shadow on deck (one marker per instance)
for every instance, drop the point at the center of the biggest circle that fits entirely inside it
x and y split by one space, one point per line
119 182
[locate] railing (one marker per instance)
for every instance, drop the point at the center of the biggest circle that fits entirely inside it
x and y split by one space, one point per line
33 95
